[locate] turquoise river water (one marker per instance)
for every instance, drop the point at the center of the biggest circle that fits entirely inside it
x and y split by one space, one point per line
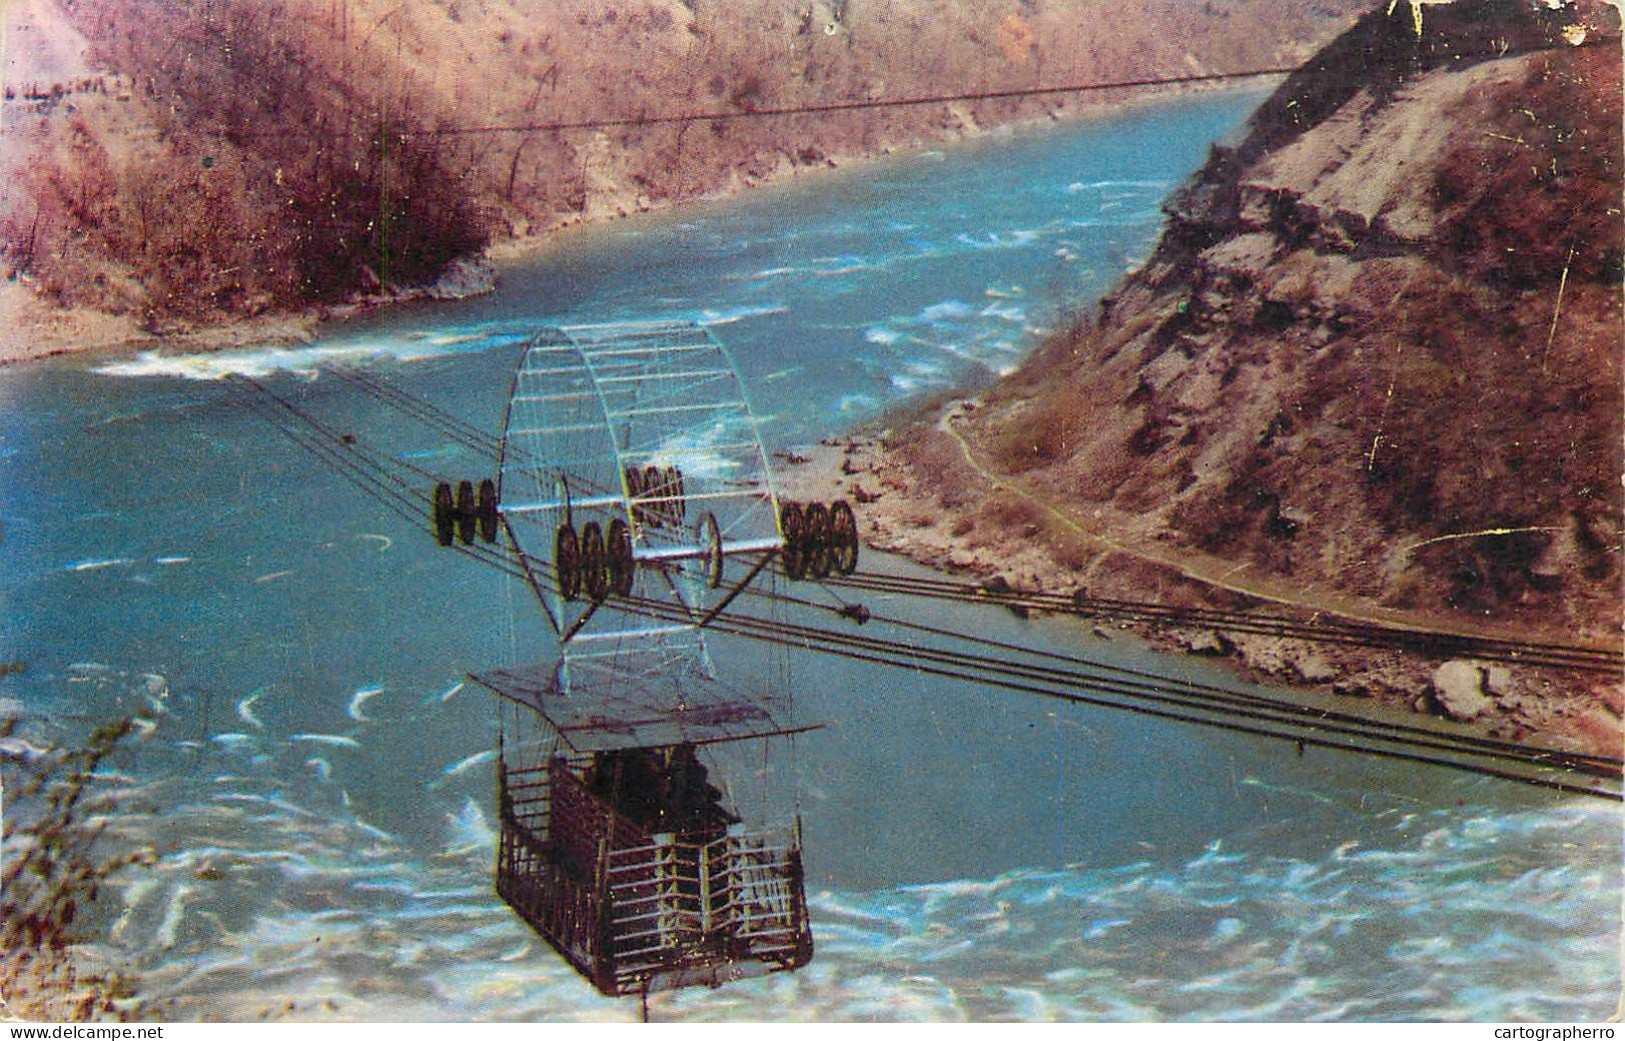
317 784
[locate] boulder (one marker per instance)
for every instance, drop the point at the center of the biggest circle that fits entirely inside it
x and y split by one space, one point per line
1265 654
1351 688
1458 687
1207 641
1312 668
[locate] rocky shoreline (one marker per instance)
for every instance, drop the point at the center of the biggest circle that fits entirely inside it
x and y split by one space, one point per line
916 495
1370 373
32 328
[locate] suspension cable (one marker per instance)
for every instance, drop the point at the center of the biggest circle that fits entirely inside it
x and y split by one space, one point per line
1072 679
1317 716
1365 634
991 672
454 427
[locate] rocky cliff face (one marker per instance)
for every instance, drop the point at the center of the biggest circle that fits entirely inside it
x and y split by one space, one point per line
1372 369
1376 355
199 160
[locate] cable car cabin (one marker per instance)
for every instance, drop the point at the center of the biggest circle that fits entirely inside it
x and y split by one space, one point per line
617 848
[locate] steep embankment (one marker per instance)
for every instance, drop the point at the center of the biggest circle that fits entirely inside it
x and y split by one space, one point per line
203 160
1372 367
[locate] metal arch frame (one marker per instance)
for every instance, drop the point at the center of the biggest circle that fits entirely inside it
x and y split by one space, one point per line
731 373
583 377
503 445
547 593
614 442
755 429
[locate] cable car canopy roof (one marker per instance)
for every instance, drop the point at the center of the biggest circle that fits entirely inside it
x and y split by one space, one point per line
627 709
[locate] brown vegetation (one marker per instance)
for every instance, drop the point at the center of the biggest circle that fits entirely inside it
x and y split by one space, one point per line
54 869
231 156
1360 366
266 167
1373 366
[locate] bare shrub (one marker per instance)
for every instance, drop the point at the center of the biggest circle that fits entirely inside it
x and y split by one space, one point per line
54 867
290 167
302 152
1047 433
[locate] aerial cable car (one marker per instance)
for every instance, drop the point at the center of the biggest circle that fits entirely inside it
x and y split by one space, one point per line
632 475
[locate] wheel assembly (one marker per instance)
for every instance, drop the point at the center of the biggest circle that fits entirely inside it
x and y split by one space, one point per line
843 537
594 562
654 513
467 520
710 535
485 509
566 561
816 539
634 489
619 550
819 538
793 528
445 514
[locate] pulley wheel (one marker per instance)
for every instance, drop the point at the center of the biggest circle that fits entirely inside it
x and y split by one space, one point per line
634 488
711 548
445 514
656 511
594 562
466 517
816 539
677 508
486 509
793 527
620 565
567 562
843 537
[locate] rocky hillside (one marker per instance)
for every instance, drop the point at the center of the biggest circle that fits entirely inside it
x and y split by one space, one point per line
198 160
1373 365
1378 347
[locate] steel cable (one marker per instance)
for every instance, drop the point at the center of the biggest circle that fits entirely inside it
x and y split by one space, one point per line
970 668
1143 693
1484 744
1561 656
1338 632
